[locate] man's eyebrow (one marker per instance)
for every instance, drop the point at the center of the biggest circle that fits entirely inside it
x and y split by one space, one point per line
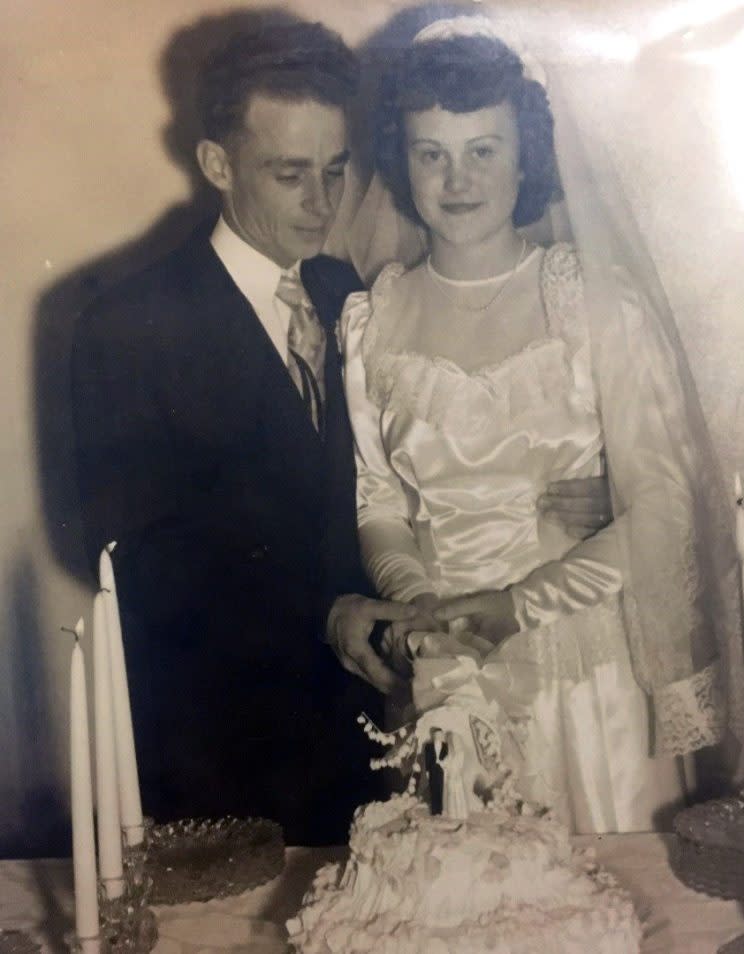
300 162
287 162
341 158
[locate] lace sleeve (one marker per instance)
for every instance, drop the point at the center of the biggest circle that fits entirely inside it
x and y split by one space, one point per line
654 548
390 555
658 474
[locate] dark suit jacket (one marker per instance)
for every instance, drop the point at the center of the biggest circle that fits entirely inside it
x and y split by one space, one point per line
236 529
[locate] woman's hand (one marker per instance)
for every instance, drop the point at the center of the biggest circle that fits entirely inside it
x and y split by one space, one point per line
489 614
394 643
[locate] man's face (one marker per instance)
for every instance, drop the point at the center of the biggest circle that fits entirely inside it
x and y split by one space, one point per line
287 176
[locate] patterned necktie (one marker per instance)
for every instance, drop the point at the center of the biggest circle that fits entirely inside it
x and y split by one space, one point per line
306 343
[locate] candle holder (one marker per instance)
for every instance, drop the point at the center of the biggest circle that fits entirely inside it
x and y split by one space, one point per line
198 860
88 945
128 926
17 942
708 852
134 858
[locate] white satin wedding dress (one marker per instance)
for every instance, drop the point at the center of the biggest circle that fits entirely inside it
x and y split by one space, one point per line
451 463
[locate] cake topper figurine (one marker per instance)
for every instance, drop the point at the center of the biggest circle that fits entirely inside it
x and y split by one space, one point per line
454 759
436 751
455 801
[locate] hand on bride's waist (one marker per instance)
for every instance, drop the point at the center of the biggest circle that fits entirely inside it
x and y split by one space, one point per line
581 506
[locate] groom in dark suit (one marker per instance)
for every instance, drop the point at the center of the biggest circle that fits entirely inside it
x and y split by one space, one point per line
214 447
436 751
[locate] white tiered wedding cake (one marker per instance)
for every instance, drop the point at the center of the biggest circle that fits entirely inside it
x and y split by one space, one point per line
470 868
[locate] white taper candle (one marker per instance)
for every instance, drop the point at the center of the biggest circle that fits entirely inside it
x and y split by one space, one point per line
126 759
83 840
739 525
107 791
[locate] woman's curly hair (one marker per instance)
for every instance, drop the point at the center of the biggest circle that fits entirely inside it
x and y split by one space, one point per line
463 74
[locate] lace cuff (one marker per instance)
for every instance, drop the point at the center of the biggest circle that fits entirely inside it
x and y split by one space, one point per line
689 713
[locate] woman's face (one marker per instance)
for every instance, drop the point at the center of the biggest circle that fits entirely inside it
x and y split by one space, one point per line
464 170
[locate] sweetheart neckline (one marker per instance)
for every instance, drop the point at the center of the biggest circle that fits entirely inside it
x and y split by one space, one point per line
486 371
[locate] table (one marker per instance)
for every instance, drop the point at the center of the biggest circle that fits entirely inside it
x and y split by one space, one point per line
36 896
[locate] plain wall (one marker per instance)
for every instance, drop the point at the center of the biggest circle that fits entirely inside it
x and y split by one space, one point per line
91 189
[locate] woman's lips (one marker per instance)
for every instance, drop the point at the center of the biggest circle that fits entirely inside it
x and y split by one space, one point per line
459 208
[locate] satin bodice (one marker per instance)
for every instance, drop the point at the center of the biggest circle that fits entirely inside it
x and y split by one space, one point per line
473 481
469 451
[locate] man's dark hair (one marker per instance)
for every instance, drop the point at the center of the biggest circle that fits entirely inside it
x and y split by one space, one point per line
294 61
463 74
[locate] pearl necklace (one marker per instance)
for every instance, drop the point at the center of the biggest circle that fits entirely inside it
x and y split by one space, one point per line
441 282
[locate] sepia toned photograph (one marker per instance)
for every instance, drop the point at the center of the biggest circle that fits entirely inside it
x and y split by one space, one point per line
374 442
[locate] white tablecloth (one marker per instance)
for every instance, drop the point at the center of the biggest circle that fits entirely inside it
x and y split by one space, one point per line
36 896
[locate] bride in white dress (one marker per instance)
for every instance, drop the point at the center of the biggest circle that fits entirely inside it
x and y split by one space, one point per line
455 801
473 382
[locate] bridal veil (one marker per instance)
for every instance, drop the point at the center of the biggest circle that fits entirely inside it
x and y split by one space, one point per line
681 598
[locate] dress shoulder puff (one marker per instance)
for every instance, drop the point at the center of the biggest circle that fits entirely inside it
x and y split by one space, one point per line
360 306
562 284
561 264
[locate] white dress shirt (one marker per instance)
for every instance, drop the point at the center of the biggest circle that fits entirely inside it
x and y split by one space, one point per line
257 278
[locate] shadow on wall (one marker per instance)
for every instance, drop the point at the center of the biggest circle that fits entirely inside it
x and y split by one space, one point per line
58 306
41 824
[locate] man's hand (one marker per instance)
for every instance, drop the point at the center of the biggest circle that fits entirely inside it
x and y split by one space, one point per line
582 505
489 614
350 623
